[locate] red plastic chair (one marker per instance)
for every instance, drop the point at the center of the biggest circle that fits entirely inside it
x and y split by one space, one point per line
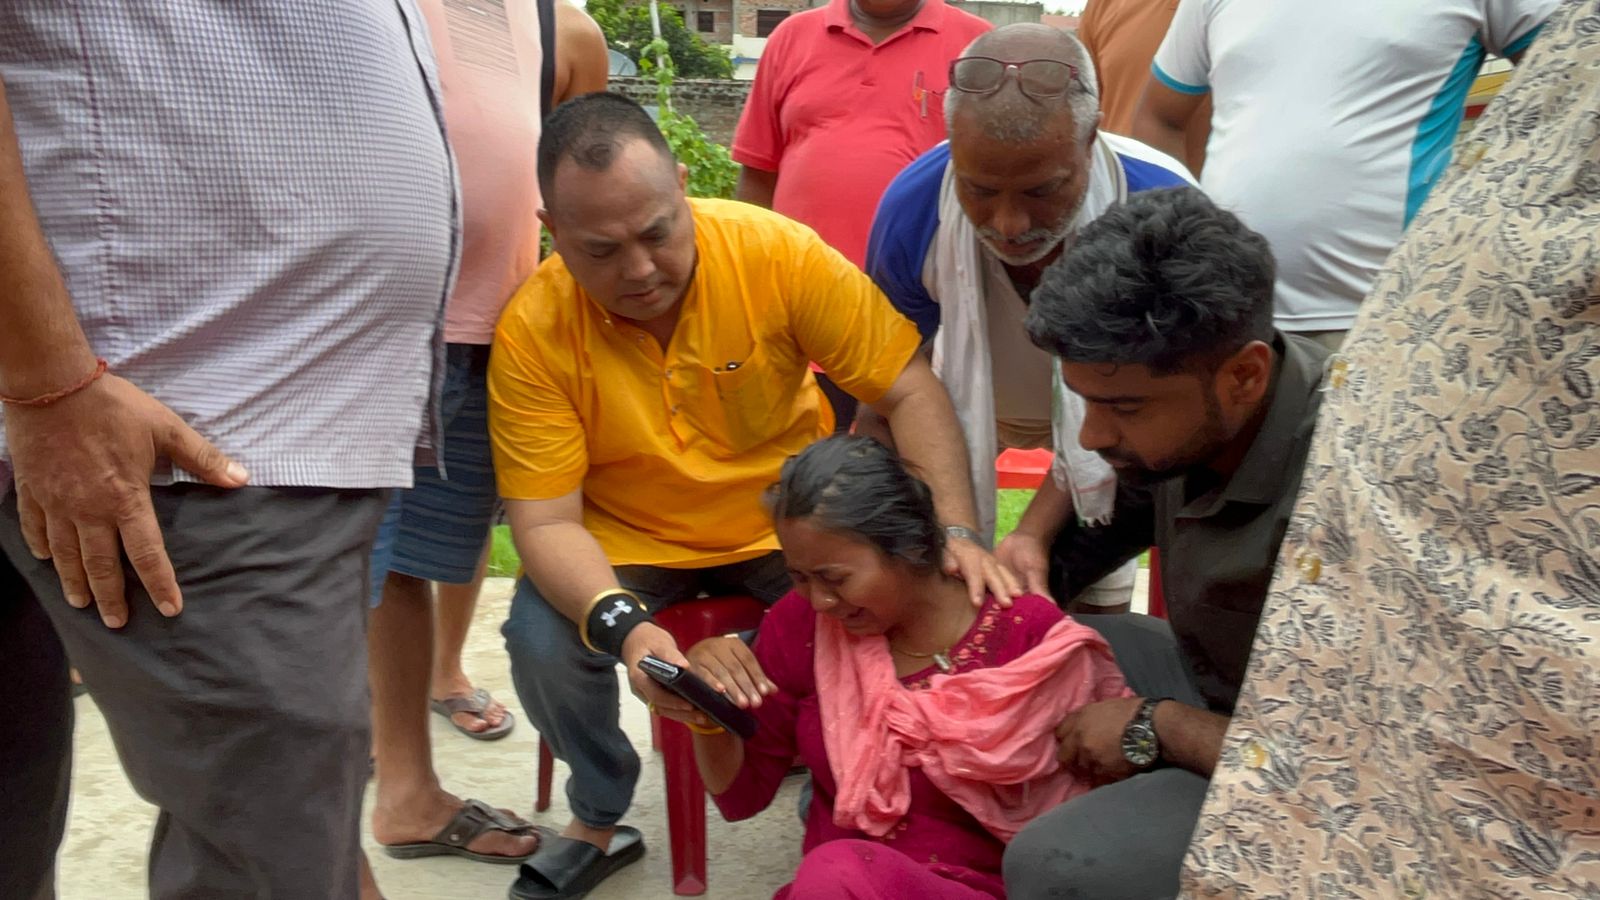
688 623
1158 600
1023 469
547 772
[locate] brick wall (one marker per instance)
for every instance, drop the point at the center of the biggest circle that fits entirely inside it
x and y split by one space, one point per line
722 15
745 12
714 103
1002 12
722 10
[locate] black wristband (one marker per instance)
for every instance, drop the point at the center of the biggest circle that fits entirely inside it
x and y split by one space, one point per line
612 615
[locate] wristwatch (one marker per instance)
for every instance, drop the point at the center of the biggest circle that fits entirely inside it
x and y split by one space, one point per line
964 533
1140 745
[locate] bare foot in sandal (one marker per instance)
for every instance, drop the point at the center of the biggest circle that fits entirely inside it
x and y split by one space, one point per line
475 713
442 824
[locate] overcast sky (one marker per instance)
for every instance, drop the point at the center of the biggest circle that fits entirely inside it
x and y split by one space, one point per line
1067 7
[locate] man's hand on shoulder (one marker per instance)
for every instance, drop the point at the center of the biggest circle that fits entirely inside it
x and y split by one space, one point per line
968 560
1028 556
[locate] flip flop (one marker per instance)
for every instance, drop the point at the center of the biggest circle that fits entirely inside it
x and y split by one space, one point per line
473 819
476 704
567 869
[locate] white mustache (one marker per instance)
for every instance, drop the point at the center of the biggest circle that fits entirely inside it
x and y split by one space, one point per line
1030 236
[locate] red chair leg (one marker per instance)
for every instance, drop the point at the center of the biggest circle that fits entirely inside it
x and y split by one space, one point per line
547 765
686 794
686 810
1158 599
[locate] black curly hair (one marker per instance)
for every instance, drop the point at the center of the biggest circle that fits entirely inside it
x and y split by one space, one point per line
1167 280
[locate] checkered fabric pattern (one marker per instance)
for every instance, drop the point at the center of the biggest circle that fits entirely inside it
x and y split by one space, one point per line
256 212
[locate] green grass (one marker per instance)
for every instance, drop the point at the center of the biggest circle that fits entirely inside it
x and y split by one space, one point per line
503 556
503 559
1008 510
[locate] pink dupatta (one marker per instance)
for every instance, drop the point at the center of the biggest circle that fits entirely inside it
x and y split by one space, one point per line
985 737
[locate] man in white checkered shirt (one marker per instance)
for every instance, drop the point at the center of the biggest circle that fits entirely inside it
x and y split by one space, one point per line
248 210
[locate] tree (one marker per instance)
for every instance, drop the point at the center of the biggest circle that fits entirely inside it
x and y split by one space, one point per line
712 171
626 25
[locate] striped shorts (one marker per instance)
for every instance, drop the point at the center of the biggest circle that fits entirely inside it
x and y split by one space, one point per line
437 530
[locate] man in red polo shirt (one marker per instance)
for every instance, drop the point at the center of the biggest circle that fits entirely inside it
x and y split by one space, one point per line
845 97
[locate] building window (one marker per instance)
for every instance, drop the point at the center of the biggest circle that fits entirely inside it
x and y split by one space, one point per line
768 19
706 21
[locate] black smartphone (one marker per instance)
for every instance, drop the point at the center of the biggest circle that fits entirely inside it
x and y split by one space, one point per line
688 685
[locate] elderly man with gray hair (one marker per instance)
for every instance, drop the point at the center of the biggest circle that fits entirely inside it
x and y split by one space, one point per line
959 243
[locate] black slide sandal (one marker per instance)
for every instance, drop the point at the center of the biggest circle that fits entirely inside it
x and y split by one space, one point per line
568 869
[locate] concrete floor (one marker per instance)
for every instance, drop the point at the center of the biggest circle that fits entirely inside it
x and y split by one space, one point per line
109 830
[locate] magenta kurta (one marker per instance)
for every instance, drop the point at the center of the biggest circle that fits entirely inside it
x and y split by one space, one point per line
938 850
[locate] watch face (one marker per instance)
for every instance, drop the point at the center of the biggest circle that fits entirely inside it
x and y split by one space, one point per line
1139 745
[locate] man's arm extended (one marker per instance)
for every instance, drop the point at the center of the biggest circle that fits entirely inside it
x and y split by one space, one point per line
563 559
869 423
81 464
1190 737
928 437
1026 550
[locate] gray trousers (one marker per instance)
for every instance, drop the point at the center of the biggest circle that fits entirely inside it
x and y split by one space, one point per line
243 720
1124 841
570 693
35 744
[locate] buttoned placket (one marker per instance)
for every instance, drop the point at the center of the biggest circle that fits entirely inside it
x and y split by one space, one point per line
660 361
868 74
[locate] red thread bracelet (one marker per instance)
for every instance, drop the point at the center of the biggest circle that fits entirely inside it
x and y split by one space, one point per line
47 399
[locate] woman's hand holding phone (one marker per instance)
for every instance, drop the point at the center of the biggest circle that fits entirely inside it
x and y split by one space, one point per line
729 666
714 704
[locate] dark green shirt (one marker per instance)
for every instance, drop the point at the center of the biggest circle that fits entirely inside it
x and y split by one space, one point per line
1219 539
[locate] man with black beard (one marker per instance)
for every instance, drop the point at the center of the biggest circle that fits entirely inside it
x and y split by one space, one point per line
1161 317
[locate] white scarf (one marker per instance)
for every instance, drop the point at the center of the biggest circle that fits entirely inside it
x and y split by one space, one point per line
954 277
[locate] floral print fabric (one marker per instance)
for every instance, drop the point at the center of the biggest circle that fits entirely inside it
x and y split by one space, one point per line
1422 710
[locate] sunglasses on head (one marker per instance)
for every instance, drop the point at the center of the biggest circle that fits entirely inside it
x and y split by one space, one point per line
1041 79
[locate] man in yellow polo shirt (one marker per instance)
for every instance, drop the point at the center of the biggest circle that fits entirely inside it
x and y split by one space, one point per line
646 385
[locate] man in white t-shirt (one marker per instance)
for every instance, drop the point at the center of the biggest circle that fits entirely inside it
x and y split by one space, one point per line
1331 124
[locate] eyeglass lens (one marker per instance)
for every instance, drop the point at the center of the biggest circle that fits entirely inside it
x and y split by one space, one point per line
1036 77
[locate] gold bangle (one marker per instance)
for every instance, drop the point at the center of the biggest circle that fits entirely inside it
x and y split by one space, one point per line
715 729
588 609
